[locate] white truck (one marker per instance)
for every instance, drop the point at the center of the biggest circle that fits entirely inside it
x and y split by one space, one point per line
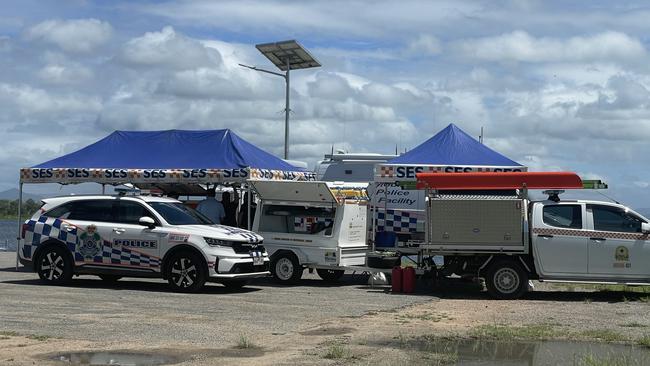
508 239
314 225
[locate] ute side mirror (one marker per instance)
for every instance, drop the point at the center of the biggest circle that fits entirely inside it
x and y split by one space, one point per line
645 228
147 221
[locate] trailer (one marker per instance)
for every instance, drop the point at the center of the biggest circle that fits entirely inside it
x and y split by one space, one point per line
312 225
486 227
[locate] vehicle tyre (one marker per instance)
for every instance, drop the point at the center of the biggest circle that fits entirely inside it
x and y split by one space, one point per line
286 269
330 275
108 278
506 280
235 285
54 265
186 272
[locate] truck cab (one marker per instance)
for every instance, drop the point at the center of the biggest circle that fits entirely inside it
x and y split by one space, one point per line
591 241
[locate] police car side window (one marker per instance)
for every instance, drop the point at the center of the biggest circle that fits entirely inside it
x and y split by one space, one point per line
129 212
92 210
566 216
608 218
60 212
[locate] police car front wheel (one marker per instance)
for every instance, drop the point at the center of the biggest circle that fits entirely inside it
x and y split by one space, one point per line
186 272
54 265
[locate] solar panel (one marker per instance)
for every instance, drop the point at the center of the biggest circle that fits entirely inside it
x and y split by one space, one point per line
291 52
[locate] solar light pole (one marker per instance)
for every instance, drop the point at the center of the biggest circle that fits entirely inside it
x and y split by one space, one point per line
286 56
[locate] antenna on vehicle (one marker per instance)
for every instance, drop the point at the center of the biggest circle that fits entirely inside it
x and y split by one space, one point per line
608 197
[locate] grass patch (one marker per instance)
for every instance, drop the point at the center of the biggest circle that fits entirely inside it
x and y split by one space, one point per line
633 325
425 316
8 333
506 332
38 337
618 360
337 351
603 335
245 343
3 338
645 341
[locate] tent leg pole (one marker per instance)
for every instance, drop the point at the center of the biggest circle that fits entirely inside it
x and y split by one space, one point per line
20 226
103 189
248 217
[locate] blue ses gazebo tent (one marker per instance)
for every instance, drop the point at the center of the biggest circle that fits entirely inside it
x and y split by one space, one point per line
175 161
450 150
165 157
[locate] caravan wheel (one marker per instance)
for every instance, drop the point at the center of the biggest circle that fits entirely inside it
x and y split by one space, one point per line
286 269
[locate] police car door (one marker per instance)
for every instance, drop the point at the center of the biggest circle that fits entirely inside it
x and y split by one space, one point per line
617 247
87 224
136 246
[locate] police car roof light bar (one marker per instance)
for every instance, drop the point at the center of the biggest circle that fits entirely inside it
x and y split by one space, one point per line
123 191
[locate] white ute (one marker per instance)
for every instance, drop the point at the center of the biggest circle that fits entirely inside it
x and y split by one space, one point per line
509 239
138 236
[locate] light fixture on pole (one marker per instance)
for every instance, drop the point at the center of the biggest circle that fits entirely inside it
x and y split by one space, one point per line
286 56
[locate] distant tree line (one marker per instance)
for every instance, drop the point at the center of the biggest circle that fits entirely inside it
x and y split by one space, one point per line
9 208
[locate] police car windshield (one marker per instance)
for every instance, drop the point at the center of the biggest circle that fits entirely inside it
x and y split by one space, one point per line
176 213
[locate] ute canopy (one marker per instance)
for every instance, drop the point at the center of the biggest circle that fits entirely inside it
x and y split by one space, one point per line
450 150
165 157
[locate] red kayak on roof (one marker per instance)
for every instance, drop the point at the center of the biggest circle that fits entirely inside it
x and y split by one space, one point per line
502 180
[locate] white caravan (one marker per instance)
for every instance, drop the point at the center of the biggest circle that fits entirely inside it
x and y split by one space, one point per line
315 225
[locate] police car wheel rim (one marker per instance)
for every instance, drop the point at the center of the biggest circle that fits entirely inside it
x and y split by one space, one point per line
183 272
506 280
52 266
284 268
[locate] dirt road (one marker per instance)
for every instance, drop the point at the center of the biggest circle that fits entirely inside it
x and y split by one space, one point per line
312 323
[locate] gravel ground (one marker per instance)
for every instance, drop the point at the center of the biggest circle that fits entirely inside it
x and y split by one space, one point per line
312 323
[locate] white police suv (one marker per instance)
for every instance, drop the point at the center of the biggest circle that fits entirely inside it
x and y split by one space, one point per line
138 236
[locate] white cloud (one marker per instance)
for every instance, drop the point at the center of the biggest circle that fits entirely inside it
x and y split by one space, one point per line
521 46
168 48
424 45
65 74
78 35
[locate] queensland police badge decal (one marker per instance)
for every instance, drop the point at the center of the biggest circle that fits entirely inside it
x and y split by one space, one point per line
89 243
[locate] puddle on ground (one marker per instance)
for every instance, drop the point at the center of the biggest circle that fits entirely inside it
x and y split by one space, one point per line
150 358
327 331
470 352
117 358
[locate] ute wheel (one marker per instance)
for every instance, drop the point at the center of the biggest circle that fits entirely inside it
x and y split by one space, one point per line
506 280
330 275
54 265
286 269
235 285
109 278
186 272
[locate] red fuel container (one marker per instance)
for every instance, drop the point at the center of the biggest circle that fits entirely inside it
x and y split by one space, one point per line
396 279
408 280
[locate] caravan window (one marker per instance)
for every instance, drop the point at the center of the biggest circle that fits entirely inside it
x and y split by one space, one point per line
297 219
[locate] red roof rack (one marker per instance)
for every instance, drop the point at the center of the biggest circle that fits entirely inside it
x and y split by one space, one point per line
498 181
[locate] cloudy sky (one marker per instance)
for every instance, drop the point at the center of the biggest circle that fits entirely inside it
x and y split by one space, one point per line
555 86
